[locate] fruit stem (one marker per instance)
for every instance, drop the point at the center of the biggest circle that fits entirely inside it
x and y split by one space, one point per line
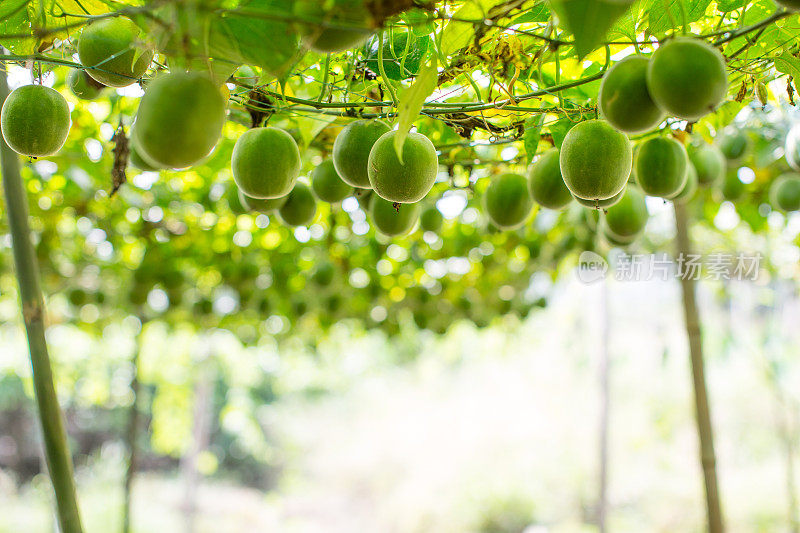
702 409
382 70
59 460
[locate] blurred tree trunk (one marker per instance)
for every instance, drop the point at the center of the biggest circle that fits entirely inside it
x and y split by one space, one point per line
785 411
57 454
201 432
702 409
132 432
605 364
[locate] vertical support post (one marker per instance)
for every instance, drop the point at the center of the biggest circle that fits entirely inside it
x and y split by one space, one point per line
59 460
702 409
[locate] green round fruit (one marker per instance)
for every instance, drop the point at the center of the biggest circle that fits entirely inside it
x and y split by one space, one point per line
35 120
327 184
300 207
507 200
345 24
431 219
660 166
624 99
687 78
792 148
689 188
614 239
110 50
545 184
734 145
265 162
324 274
595 160
83 86
601 204
408 181
628 217
732 187
785 192
136 160
179 120
351 150
390 219
233 197
261 205
709 163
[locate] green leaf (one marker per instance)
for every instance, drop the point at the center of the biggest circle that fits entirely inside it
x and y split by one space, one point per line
411 103
726 6
420 21
538 13
788 64
255 35
533 131
589 20
659 19
456 34
393 54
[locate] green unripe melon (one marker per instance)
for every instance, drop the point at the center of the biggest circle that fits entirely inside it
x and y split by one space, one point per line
624 99
628 217
614 239
179 120
709 163
346 24
732 187
137 161
687 78
265 162
734 145
233 197
300 207
83 86
791 148
431 219
351 150
785 192
35 120
595 160
392 220
324 274
327 184
261 205
507 200
660 166
111 51
545 184
408 181
601 204
689 188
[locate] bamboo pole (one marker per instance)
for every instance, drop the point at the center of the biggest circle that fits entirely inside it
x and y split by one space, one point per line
702 409
131 436
605 364
59 460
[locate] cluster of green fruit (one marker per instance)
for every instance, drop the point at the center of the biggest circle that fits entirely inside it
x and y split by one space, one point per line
35 119
266 165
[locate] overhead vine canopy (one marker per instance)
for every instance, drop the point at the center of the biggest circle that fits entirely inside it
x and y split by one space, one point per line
491 84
